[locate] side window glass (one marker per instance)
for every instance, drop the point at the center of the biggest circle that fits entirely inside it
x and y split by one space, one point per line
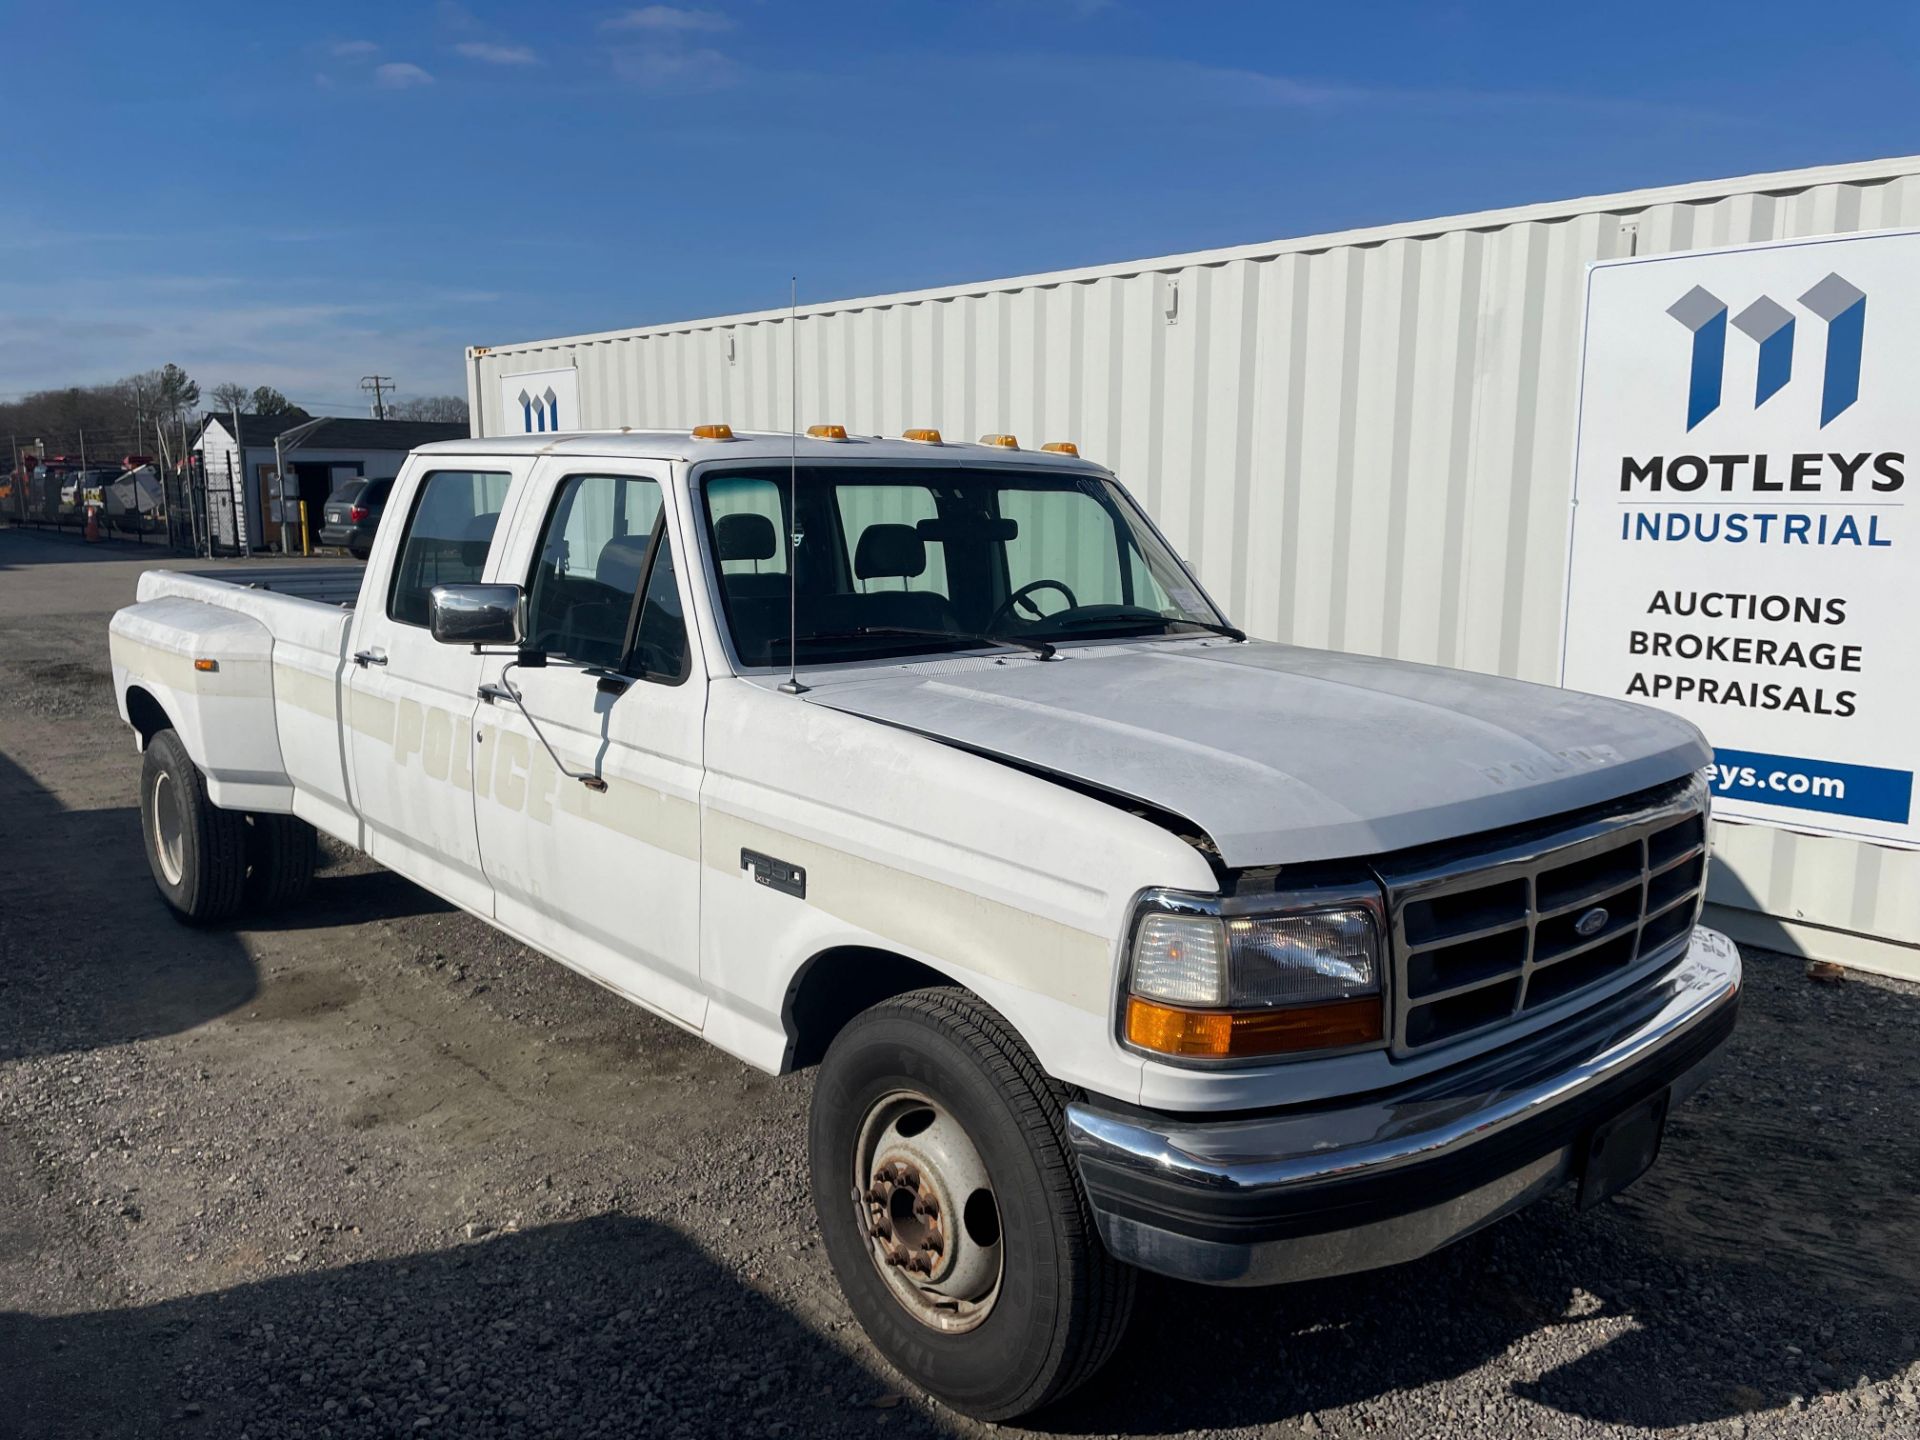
447 538
898 507
660 646
588 568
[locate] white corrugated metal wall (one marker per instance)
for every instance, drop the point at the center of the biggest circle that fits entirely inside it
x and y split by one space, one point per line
1364 441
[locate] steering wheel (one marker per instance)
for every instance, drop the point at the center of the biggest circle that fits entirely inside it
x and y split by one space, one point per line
1019 597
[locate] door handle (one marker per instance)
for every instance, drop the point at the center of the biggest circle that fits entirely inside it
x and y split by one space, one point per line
364 658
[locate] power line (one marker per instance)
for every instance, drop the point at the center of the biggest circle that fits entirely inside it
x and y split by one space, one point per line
375 384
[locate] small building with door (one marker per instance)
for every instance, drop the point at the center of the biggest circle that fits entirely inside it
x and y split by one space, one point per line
243 472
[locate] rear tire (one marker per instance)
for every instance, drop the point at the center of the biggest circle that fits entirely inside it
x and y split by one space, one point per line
282 851
935 1079
196 850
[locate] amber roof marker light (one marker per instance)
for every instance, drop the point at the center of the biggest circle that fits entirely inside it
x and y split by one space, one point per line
826 432
923 435
713 432
1061 447
1004 442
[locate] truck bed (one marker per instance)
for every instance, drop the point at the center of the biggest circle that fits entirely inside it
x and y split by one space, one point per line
247 665
327 584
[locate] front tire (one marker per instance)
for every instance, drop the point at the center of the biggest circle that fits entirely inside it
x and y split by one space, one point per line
282 851
951 1210
196 850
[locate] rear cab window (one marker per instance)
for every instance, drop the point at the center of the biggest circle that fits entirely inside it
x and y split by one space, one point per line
446 539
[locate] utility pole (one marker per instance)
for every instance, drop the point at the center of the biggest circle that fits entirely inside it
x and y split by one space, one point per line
378 384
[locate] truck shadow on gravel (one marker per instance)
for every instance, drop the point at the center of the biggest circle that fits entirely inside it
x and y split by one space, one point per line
611 1326
89 955
1765 1261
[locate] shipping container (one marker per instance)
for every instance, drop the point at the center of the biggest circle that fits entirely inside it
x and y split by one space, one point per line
1363 440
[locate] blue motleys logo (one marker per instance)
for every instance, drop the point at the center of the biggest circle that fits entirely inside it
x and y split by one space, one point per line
1769 324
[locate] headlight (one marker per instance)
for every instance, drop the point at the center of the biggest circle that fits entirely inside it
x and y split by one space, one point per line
1245 977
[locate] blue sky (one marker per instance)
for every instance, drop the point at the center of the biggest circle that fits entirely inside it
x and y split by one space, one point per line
298 195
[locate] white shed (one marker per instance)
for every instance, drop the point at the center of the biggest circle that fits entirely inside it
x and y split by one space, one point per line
319 455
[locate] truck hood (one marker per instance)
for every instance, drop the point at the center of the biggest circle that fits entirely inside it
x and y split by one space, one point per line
1282 754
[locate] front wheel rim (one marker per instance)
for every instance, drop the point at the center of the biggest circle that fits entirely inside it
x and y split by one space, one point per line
169 828
924 1200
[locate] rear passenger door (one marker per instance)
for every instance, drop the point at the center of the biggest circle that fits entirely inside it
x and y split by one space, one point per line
410 700
606 879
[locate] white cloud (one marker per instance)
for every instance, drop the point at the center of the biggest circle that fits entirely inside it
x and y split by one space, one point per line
353 49
669 19
400 75
675 72
497 54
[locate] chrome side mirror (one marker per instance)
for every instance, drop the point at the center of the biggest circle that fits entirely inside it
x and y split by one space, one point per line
475 614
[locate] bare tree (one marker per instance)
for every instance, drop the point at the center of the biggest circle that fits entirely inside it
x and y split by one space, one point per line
451 408
230 397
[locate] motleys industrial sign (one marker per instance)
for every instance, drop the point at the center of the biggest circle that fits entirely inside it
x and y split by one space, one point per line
1741 552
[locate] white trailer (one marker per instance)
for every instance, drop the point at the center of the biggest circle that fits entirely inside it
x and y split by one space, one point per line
1363 440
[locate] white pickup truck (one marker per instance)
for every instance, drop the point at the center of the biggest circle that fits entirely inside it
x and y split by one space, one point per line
1121 941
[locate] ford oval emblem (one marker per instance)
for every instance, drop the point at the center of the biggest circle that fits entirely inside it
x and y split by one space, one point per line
1592 922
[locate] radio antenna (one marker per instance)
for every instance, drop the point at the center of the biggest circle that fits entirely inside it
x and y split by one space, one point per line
791 685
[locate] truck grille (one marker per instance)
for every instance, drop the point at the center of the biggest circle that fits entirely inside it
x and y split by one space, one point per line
1482 938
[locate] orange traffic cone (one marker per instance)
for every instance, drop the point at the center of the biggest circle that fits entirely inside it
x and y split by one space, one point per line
93 522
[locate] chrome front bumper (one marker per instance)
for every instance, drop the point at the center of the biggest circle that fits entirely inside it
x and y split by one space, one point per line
1327 1190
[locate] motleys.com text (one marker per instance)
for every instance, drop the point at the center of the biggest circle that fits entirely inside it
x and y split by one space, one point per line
1727 778
1835 787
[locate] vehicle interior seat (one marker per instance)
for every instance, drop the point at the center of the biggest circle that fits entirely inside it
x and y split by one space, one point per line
748 537
595 623
756 599
890 552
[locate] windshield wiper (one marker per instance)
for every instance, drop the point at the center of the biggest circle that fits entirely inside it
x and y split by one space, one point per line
1232 632
861 632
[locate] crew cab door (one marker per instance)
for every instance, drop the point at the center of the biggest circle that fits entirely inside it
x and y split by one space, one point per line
605 876
410 700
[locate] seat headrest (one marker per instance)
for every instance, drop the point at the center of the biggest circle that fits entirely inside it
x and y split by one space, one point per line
888 552
745 536
621 561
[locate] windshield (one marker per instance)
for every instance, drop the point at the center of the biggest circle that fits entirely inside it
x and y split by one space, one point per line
907 560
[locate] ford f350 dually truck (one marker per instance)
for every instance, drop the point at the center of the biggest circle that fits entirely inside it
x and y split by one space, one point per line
1121 941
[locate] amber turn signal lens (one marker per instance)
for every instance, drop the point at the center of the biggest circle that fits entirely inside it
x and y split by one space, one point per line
827 432
923 435
713 432
1233 1034
206 667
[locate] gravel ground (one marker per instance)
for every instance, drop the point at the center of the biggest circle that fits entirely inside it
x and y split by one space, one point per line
370 1169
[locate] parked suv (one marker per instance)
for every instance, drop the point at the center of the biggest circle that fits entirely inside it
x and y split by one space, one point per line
352 514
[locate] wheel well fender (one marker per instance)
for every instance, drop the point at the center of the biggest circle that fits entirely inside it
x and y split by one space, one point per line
146 714
837 984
